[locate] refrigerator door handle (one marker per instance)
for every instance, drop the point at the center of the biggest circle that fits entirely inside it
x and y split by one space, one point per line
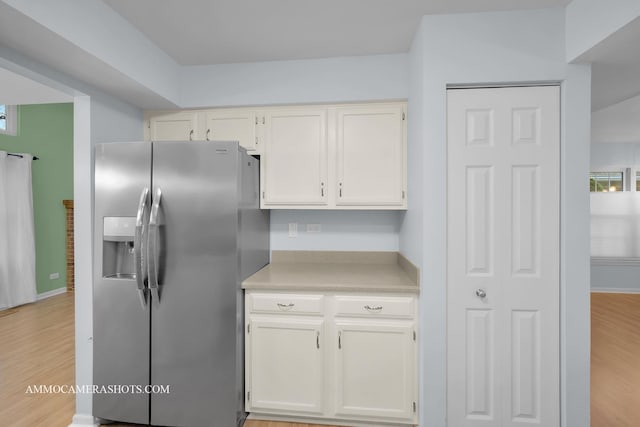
137 247
152 247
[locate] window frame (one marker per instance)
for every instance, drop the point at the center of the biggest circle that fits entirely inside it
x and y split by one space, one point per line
624 174
11 120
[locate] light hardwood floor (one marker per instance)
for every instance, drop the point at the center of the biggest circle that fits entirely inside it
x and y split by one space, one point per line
36 347
615 360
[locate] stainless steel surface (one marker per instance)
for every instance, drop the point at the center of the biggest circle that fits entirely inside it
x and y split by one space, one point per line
481 293
196 325
120 351
140 234
153 252
193 332
205 234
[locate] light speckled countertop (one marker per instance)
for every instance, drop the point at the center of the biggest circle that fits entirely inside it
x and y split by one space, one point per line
322 271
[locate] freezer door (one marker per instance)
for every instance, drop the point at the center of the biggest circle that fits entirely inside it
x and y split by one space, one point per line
120 320
195 324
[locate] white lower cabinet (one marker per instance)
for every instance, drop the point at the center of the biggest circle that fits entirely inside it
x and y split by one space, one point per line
375 372
287 364
333 357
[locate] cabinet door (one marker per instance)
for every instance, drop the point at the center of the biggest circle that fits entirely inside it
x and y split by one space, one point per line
285 365
295 158
371 144
181 126
233 125
375 369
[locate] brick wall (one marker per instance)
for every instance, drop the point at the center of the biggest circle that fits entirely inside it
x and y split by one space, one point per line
68 204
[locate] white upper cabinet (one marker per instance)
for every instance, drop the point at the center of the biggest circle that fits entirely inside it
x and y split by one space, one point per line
341 156
294 165
360 165
370 156
175 126
237 124
233 125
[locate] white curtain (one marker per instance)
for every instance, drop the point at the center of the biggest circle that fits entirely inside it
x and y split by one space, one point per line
615 231
17 242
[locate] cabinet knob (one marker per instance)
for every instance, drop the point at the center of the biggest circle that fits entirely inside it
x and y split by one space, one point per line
376 308
481 293
191 135
208 132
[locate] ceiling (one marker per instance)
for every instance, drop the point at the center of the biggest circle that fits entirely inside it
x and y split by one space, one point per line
201 32
230 31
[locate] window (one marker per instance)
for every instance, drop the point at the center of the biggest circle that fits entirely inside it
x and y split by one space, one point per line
606 182
3 117
8 119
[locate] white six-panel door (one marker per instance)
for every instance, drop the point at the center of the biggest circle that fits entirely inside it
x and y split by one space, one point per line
503 256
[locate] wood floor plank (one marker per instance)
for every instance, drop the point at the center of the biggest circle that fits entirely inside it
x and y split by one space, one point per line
615 360
37 348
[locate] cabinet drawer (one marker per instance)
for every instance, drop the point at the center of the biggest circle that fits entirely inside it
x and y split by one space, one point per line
286 303
397 307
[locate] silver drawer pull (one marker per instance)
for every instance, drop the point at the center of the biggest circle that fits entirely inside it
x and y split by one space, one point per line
285 306
376 308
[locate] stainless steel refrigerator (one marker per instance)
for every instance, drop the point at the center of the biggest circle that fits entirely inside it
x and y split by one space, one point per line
177 228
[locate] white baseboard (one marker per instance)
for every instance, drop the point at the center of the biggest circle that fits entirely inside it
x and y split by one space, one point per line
325 421
80 420
52 293
616 290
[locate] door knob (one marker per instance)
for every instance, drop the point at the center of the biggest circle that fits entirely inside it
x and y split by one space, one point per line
481 293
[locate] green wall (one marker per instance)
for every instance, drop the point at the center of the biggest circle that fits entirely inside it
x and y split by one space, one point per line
46 131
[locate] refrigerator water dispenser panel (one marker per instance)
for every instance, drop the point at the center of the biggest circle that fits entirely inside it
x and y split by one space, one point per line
117 254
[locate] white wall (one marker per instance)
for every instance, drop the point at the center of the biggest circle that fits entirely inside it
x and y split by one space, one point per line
611 276
617 123
412 224
575 314
612 154
502 47
591 21
345 79
341 230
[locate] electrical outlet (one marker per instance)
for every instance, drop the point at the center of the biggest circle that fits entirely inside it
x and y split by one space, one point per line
293 229
54 276
314 228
